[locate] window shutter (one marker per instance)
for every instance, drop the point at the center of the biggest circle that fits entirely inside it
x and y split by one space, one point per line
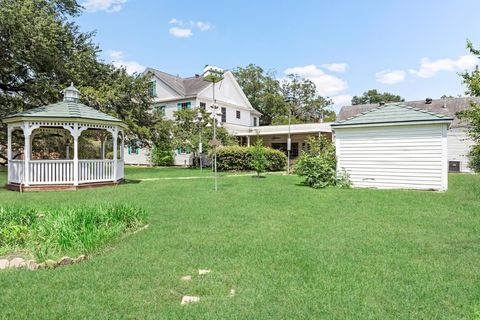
179 150
179 106
136 150
188 105
128 149
154 88
188 150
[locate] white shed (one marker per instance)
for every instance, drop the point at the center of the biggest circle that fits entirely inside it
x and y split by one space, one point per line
394 146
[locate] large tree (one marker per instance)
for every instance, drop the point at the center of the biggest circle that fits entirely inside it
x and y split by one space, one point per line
472 81
270 96
262 90
373 96
42 50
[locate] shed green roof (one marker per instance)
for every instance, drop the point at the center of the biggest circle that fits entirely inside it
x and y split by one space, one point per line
392 113
63 110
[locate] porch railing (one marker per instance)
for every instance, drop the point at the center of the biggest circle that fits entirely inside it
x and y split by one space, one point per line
62 171
16 171
51 171
95 170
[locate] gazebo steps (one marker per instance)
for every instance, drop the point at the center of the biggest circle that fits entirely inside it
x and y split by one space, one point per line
59 187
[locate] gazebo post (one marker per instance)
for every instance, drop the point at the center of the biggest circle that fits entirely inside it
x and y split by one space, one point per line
9 150
122 151
75 154
26 153
115 138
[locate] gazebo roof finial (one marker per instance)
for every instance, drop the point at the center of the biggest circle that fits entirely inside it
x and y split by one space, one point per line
71 94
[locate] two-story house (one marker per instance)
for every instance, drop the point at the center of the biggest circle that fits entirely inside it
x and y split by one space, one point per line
171 93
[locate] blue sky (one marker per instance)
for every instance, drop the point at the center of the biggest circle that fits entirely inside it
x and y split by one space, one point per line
411 48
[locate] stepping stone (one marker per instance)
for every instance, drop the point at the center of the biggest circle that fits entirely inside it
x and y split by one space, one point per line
232 293
189 299
32 265
203 271
4 264
17 263
186 278
50 264
65 261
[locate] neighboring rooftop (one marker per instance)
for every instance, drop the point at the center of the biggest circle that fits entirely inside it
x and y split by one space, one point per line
186 87
448 107
391 113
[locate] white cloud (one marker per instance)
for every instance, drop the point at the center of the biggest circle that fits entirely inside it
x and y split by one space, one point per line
342 100
103 5
184 29
203 26
429 68
390 76
118 60
327 85
180 32
335 67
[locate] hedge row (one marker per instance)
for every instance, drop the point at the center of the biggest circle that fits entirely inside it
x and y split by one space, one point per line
239 158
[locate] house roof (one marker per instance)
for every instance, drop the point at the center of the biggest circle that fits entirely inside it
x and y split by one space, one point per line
448 107
392 113
62 110
183 86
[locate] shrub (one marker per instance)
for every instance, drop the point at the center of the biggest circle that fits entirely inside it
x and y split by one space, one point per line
161 157
259 160
474 159
238 158
318 165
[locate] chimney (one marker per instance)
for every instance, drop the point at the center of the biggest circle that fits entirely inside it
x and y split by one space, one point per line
444 102
428 101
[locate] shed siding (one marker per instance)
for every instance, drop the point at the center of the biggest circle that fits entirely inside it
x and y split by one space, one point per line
459 145
402 156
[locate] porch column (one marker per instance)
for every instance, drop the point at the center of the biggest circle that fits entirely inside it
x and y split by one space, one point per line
75 154
122 147
115 160
248 141
9 151
26 154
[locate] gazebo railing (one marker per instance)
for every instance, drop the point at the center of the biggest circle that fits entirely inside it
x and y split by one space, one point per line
51 171
16 171
95 170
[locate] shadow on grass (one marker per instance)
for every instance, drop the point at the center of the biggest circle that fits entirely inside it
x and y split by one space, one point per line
132 181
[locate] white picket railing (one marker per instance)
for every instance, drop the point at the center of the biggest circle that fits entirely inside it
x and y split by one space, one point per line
51 171
95 170
62 171
16 171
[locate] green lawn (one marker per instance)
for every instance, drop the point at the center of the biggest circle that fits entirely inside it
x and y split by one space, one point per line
290 252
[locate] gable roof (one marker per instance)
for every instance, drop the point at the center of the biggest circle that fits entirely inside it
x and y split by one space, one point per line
448 107
393 113
63 110
182 86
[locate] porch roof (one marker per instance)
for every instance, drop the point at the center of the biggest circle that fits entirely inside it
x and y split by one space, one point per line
279 129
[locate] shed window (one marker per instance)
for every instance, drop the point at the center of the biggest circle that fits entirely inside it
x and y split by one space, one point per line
238 114
224 114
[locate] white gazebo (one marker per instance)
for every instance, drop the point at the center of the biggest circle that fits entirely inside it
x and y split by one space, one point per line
65 121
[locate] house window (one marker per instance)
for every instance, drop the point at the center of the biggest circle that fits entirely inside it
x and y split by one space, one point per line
159 109
254 121
224 114
283 147
153 88
203 105
183 105
238 114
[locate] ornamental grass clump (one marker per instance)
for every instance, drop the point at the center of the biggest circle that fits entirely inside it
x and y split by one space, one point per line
317 165
66 230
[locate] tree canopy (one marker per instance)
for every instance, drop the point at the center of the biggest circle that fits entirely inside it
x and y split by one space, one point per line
269 96
373 96
472 81
42 50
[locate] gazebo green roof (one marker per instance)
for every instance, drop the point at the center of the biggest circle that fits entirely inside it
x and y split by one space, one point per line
393 113
70 109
